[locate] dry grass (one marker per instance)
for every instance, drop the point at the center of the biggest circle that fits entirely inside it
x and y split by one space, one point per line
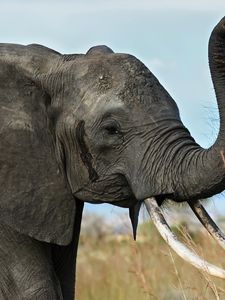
116 268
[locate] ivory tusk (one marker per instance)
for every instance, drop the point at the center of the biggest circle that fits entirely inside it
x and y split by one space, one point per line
208 223
171 239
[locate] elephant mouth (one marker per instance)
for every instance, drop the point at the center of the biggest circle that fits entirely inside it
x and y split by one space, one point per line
153 205
156 214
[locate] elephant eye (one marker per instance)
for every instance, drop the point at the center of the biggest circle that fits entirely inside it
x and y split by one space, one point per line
111 134
112 129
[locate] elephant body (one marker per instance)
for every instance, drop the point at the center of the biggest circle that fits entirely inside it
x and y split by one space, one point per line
26 268
31 269
96 127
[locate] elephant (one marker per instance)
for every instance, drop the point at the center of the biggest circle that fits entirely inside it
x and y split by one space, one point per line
99 128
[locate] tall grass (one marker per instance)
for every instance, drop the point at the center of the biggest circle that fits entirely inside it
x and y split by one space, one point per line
117 268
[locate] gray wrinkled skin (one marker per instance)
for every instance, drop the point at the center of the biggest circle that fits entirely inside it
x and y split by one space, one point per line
98 128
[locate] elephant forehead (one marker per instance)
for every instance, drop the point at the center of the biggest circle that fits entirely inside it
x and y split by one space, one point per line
139 89
110 68
129 78
113 78
95 104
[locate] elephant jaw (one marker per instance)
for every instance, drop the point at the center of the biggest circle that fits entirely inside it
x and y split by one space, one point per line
171 239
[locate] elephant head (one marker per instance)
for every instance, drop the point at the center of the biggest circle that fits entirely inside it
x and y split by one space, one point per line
99 128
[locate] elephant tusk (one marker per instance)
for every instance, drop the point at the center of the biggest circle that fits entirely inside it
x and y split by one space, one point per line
184 252
208 223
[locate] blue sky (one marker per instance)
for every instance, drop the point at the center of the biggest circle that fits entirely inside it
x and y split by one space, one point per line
170 37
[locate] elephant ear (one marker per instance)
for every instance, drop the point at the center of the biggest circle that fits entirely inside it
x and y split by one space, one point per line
35 198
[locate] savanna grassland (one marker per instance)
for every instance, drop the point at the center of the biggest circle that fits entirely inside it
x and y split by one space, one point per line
114 267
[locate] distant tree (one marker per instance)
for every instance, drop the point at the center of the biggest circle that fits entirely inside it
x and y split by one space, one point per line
95 225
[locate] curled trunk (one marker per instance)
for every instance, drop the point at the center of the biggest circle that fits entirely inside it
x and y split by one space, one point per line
203 171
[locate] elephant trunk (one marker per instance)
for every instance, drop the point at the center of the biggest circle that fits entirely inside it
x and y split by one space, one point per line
203 171
217 68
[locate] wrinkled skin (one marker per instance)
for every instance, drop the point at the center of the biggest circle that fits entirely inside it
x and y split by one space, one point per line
97 128
132 113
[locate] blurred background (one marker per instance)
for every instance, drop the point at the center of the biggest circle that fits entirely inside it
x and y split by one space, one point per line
171 38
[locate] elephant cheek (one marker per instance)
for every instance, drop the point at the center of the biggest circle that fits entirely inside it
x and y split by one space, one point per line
144 186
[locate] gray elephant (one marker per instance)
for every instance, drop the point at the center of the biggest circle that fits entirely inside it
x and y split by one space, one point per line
98 128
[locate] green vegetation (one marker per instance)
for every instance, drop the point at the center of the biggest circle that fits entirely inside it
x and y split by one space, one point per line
117 268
